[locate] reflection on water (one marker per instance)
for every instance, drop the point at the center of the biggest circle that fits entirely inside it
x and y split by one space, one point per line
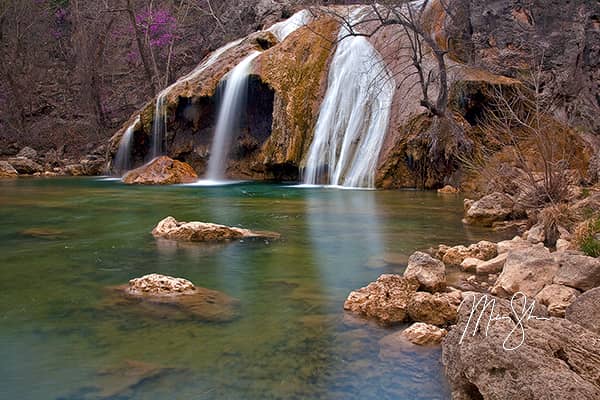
63 337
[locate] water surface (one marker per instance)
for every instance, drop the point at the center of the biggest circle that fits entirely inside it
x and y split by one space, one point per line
63 241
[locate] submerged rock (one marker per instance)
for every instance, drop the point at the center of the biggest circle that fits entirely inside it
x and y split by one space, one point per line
424 334
448 189
7 170
177 294
119 379
161 171
430 273
385 300
489 209
557 359
170 228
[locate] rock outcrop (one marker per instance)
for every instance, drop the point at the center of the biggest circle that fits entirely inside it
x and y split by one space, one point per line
557 359
385 300
429 272
161 171
170 228
165 294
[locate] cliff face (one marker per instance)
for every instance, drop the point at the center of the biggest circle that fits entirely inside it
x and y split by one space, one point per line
490 43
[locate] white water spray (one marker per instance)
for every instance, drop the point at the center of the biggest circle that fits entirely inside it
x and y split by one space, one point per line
354 115
123 156
230 109
283 29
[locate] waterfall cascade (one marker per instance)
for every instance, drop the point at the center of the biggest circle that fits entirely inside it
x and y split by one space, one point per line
230 110
283 29
159 123
123 157
354 115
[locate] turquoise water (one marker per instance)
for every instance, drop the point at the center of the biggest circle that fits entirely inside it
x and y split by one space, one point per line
61 337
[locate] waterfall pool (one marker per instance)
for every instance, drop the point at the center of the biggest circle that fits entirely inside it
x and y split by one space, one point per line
65 240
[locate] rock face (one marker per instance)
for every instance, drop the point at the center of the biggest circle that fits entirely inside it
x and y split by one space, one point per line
429 272
433 309
7 170
170 228
526 271
492 208
578 271
585 310
161 171
557 298
557 359
385 300
423 334
166 293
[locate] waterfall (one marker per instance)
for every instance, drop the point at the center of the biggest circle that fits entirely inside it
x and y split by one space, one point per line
283 29
230 110
123 156
353 117
159 123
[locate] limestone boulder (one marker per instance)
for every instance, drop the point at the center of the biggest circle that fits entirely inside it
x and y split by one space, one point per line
161 171
434 309
493 266
555 358
526 271
161 295
557 298
577 271
28 152
448 189
516 243
489 209
385 300
424 334
470 264
7 170
484 250
170 228
429 272
25 166
585 310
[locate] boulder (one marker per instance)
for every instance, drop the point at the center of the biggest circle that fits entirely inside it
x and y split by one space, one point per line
28 152
170 228
429 272
492 266
557 298
448 189
161 171
163 295
577 271
25 165
434 309
470 264
484 250
585 310
489 209
557 359
385 300
398 345
562 245
516 243
526 271
75 170
7 170
536 234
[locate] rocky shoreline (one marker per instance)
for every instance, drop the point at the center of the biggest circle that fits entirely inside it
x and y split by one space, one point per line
524 325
